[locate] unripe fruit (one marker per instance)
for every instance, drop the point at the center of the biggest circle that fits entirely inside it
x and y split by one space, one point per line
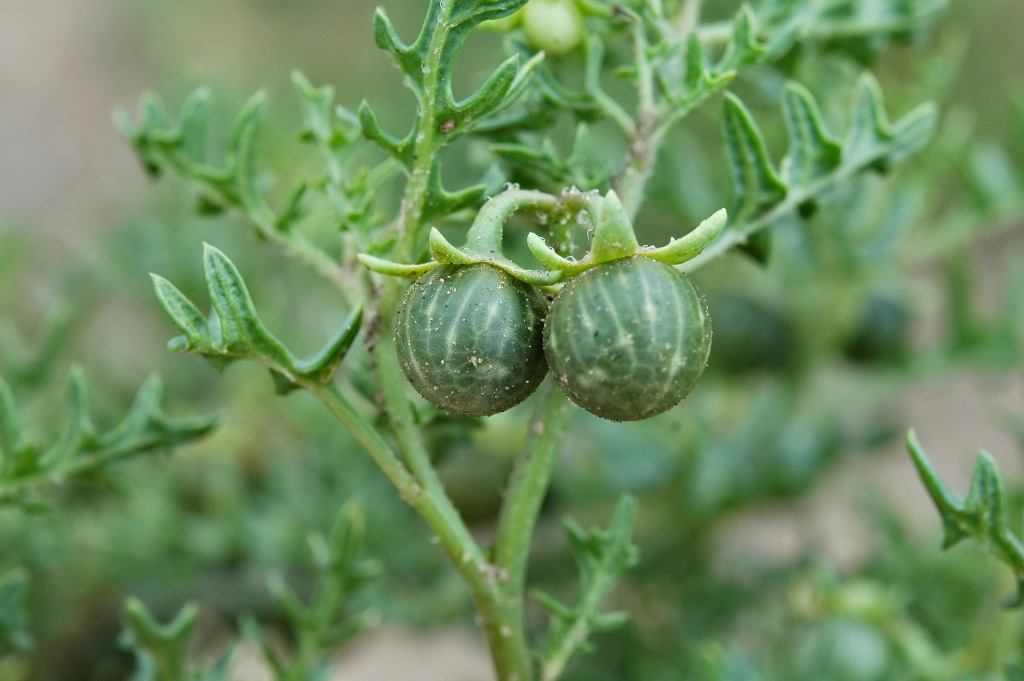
555 26
470 338
628 339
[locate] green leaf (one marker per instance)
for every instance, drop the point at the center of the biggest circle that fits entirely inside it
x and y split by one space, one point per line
192 127
813 153
241 159
489 98
695 63
442 202
324 365
81 448
293 209
161 650
10 431
240 326
756 184
744 48
236 331
814 167
79 432
400 149
145 424
871 130
14 632
185 315
602 556
317 108
981 516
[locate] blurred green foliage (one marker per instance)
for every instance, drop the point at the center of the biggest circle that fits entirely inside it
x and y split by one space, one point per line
811 356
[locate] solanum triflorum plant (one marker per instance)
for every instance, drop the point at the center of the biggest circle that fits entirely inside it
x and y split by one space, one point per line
627 334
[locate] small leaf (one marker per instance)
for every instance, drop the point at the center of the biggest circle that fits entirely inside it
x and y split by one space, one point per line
242 152
556 608
695 67
486 100
602 557
613 234
744 48
912 132
401 150
813 153
755 182
323 365
441 202
870 128
14 611
386 38
161 648
317 105
690 246
79 431
183 312
10 432
293 208
192 128
139 417
152 114
985 496
981 516
241 328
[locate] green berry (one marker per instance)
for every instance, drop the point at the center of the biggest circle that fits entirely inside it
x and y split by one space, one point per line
470 338
628 339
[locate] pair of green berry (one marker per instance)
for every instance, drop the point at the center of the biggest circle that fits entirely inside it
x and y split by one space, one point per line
625 340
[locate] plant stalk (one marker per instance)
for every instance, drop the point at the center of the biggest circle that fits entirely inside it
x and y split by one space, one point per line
528 486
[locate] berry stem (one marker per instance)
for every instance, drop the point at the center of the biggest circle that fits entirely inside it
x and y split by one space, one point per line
528 486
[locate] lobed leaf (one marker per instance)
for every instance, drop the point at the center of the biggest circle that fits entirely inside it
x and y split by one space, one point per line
602 557
755 182
816 161
240 326
400 149
185 315
236 330
81 448
192 126
981 516
490 97
442 202
813 153
744 47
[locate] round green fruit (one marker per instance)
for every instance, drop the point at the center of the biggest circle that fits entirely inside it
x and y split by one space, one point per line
555 26
628 339
470 338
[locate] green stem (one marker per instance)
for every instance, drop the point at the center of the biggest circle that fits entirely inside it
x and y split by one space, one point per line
427 145
485 235
576 637
528 486
11 490
646 137
420 486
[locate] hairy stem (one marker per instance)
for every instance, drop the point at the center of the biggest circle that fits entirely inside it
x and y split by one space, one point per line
511 656
527 488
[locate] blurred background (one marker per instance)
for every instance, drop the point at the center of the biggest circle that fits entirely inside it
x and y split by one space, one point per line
782 524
